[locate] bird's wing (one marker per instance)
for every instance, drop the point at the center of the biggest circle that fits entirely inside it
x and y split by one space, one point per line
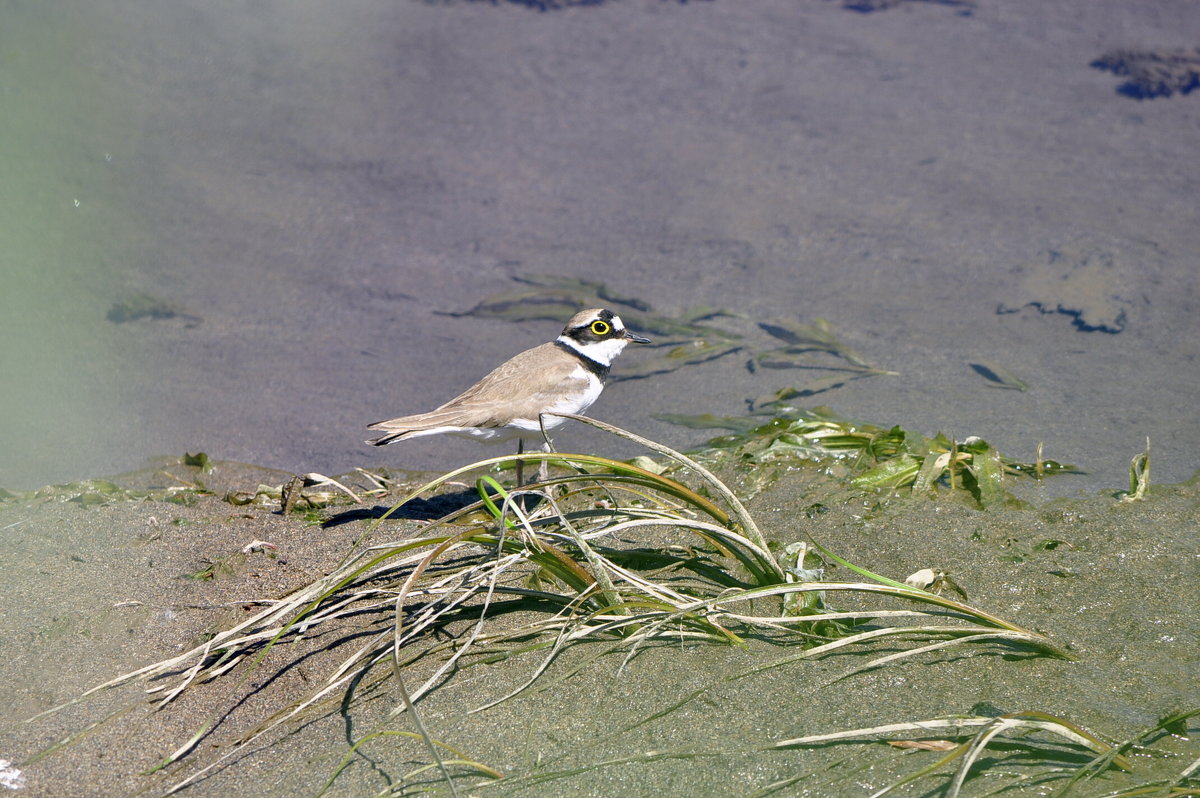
492 401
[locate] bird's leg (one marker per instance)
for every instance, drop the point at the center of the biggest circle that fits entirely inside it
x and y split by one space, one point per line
547 446
520 463
544 468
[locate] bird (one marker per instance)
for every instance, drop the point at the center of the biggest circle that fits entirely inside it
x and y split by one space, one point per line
565 375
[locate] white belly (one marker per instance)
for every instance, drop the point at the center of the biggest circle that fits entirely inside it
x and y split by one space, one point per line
573 403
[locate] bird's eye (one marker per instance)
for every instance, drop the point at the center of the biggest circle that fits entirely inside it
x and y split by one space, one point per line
601 327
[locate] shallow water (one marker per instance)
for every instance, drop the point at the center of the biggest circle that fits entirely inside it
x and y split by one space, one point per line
311 186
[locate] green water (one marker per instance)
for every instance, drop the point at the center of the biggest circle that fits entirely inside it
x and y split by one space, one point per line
66 389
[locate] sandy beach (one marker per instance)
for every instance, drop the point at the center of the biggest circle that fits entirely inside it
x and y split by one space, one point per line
238 231
680 718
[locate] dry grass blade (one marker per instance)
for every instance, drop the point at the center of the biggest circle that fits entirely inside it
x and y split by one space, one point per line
1013 726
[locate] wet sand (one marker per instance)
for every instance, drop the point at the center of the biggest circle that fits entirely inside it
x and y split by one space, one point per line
311 188
104 592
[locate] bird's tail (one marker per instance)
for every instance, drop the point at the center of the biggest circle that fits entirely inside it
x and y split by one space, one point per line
384 440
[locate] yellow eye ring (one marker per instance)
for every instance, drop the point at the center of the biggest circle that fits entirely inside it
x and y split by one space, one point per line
601 327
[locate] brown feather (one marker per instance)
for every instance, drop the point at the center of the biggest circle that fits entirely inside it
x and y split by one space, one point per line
540 375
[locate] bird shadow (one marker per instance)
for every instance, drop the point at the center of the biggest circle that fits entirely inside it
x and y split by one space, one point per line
418 509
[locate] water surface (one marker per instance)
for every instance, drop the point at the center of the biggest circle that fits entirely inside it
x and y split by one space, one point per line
311 186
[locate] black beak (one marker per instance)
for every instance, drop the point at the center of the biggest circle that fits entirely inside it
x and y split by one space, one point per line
637 339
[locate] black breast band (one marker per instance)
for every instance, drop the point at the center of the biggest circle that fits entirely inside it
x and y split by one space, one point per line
596 367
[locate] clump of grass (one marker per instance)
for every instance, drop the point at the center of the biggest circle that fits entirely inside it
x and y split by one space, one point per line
1139 476
582 555
1030 736
881 458
1026 732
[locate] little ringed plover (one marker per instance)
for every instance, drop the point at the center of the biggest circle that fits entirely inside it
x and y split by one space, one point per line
565 375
